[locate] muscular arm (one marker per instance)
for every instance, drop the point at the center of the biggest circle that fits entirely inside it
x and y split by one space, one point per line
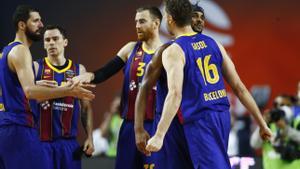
233 79
20 61
109 69
152 74
173 62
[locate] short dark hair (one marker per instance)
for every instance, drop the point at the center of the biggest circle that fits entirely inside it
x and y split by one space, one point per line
153 10
180 10
61 30
197 8
22 13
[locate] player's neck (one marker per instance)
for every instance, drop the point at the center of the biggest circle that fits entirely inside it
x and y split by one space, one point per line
59 60
183 31
152 43
21 37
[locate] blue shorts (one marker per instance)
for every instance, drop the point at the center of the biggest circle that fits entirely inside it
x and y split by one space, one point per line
62 154
208 140
128 156
20 148
174 153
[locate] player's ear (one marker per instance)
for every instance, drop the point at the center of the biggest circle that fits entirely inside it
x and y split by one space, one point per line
169 19
66 42
21 25
157 23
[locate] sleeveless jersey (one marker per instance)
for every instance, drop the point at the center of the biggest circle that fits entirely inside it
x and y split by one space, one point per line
58 117
203 85
16 109
133 74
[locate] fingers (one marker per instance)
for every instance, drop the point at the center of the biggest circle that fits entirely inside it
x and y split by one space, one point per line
88 85
85 94
151 148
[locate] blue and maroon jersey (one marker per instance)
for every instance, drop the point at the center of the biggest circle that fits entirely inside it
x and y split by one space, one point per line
17 109
58 117
203 85
133 74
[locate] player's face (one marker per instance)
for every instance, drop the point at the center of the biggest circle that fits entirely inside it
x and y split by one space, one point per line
54 43
144 25
34 26
198 21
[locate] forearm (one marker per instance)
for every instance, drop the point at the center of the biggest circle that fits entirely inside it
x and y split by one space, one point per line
108 70
247 100
87 123
45 93
170 109
140 108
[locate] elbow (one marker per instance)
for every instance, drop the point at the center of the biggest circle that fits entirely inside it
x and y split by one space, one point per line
28 92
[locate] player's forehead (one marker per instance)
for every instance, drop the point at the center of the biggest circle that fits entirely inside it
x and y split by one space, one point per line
145 14
197 13
52 33
34 15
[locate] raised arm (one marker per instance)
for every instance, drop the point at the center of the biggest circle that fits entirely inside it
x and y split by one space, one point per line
173 61
152 74
231 76
109 69
20 61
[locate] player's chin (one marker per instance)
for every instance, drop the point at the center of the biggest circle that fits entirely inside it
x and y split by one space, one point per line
140 37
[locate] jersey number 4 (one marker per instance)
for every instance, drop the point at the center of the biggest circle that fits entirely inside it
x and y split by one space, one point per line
209 72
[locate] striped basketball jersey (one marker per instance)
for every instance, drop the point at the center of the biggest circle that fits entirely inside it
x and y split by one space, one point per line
134 70
58 117
15 104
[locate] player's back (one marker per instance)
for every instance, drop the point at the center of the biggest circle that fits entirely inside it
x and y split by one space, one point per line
203 85
17 109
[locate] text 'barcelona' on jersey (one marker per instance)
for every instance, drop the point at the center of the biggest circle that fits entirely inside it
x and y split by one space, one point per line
134 71
15 106
203 85
58 117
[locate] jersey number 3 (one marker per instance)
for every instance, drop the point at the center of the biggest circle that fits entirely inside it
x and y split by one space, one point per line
209 72
140 69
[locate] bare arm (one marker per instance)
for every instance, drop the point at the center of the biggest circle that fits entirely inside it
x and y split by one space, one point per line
173 61
152 74
231 76
87 120
20 61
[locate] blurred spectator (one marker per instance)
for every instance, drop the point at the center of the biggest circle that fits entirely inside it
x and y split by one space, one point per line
283 151
106 136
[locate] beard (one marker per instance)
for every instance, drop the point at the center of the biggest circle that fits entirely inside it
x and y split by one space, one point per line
197 27
143 36
34 36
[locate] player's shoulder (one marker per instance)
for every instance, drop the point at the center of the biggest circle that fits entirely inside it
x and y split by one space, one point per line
130 45
18 50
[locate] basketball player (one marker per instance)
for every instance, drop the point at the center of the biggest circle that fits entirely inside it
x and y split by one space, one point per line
134 57
59 117
19 143
175 154
195 65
